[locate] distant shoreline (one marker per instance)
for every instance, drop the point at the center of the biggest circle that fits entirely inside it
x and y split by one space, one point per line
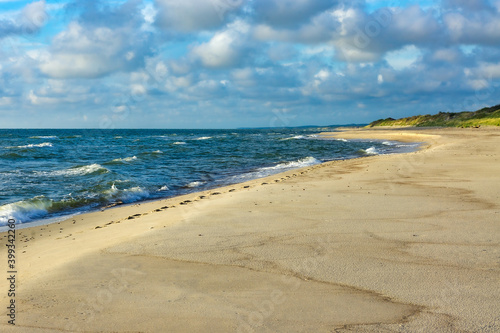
489 116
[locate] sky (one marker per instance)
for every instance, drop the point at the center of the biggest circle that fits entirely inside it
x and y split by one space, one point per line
243 63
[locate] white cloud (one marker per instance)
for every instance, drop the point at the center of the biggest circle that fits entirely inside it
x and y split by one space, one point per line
468 5
85 51
249 56
193 15
475 28
225 48
289 13
4 101
34 15
26 22
318 30
80 52
40 100
414 26
489 70
446 55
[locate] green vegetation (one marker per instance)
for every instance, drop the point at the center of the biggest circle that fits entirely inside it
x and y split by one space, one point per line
484 117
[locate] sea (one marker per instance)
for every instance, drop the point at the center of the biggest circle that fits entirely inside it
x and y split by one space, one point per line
50 174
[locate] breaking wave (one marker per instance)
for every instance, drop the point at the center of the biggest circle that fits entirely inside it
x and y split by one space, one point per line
79 170
39 145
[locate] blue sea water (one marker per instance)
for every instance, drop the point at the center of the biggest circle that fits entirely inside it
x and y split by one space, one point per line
53 173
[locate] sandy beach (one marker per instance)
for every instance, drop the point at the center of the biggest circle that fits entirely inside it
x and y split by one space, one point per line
390 243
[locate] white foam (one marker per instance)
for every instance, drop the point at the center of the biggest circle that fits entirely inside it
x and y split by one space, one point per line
26 210
294 137
126 159
134 194
127 195
388 143
372 151
195 184
157 152
267 171
40 145
78 171
203 138
163 188
44 137
179 143
308 161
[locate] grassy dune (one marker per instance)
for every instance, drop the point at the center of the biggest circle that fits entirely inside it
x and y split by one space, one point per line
484 117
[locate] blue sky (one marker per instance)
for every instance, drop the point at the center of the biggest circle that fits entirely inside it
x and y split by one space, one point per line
243 63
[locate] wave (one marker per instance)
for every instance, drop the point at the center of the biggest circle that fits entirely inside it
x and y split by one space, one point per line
304 162
71 137
127 195
125 160
41 207
281 167
43 137
300 137
11 156
294 137
37 208
204 138
163 188
156 152
40 145
26 210
79 170
195 184
370 151
179 143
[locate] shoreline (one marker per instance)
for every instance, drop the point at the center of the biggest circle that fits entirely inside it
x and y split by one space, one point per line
62 217
293 251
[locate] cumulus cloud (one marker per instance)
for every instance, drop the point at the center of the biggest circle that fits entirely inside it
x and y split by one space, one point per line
473 28
289 13
89 49
194 15
318 30
194 57
468 5
225 48
359 36
30 20
79 52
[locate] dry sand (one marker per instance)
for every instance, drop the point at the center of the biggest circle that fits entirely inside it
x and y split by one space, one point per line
394 243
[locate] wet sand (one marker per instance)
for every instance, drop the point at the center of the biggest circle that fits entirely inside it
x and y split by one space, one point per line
393 243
